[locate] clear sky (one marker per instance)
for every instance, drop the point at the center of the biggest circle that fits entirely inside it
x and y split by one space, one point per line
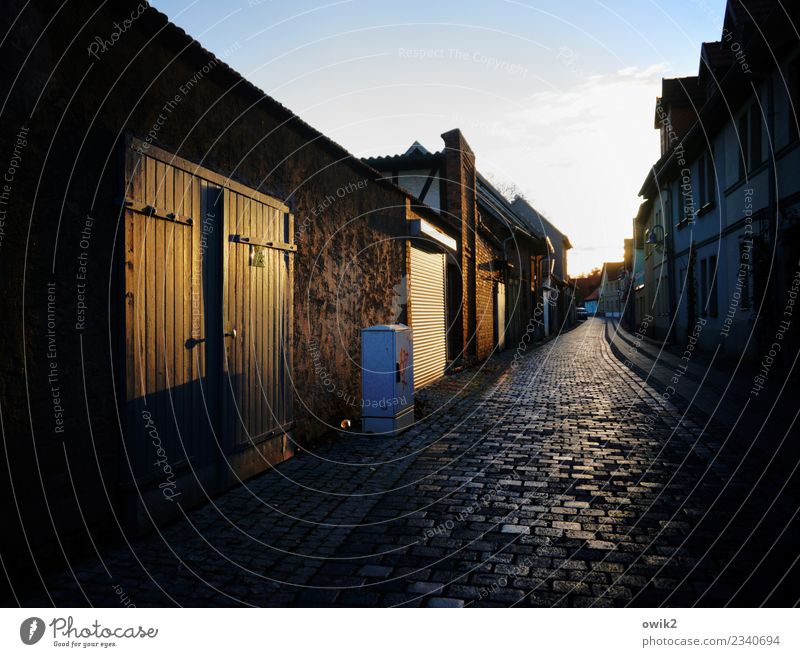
554 96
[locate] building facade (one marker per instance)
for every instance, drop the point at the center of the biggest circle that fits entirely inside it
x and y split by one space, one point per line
612 291
720 219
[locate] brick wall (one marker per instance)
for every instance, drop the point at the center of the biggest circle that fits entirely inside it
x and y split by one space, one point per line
461 205
485 290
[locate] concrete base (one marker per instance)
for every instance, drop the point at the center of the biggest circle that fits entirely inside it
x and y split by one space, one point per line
388 426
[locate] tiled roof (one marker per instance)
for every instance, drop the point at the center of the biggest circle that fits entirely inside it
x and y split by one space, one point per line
593 296
491 198
402 160
536 220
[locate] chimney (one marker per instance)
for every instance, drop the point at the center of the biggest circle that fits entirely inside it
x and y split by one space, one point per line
461 205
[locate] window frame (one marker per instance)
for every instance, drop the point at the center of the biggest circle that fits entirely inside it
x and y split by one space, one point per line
793 98
713 299
702 297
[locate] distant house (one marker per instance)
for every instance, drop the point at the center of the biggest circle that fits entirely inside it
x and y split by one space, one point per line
612 287
590 302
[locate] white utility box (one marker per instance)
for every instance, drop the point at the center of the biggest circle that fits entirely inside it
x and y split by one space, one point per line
387 379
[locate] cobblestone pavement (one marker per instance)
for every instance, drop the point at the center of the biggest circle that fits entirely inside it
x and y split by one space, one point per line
559 478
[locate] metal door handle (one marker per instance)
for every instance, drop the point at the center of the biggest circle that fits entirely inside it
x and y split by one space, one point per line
230 334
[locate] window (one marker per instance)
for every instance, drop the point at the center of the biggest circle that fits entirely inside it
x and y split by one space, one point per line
711 177
702 297
683 286
743 280
707 179
793 80
701 179
743 140
650 249
750 140
755 136
713 305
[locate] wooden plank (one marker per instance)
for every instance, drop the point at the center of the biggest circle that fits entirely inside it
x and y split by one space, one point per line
170 327
180 335
193 424
165 195
257 286
160 390
129 275
140 309
255 318
130 332
185 273
251 310
150 180
267 409
244 299
150 317
283 348
232 421
169 189
289 340
273 317
270 353
160 197
233 319
202 307
280 221
193 188
222 228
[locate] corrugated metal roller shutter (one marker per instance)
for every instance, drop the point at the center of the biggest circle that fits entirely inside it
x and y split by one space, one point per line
429 323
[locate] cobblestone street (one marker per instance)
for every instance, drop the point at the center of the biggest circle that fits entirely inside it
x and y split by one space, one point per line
560 478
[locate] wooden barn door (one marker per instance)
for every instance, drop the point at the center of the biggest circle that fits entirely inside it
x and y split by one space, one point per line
258 320
208 318
167 323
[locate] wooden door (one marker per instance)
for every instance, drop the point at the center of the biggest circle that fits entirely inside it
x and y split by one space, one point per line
204 256
165 332
257 321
